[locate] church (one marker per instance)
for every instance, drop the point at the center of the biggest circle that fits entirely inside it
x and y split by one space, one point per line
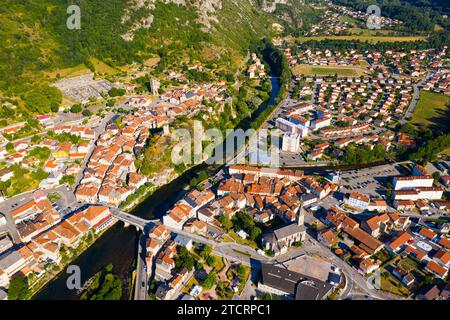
279 240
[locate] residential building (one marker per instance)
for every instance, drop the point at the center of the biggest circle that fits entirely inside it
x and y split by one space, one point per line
357 200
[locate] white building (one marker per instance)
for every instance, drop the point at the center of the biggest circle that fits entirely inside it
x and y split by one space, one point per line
429 193
320 123
11 263
405 183
183 241
288 126
357 200
291 142
154 86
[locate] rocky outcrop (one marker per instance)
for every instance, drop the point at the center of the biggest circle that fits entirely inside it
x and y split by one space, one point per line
206 10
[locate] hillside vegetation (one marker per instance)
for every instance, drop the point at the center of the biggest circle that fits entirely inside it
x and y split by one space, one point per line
35 42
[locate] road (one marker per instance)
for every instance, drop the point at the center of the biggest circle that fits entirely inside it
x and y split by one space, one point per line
415 99
141 284
139 223
67 202
99 130
357 284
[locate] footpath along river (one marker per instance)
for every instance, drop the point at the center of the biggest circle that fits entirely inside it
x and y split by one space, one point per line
118 245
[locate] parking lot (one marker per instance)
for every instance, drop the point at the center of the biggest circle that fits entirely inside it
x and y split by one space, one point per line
370 181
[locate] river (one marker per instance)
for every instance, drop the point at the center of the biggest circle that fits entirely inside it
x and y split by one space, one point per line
118 245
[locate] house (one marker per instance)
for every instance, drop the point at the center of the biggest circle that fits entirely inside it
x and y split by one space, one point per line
367 266
339 220
5 244
164 292
10 263
357 200
98 217
445 242
404 204
437 269
206 214
183 241
241 233
367 242
405 277
376 224
164 266
427 233
399 242
446 292
178 215
308 199
429 293
378 205
196 226
263 217
442 257
136 180
6 174
416 253
327 237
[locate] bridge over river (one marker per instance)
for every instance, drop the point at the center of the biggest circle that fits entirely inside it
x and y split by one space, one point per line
132 220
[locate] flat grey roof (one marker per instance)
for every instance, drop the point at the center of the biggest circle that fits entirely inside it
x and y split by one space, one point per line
9 258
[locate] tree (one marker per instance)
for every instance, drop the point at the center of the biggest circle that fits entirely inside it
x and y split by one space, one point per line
9 147
184 259
225 221
206 251
111 103
241 270
436 176
116 92
76 108
255 232
86 112
210 280
18 288
69 179
210 260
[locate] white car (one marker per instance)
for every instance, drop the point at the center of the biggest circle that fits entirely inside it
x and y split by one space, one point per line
335 268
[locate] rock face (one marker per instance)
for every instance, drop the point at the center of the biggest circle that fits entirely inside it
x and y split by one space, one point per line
206 10
271 5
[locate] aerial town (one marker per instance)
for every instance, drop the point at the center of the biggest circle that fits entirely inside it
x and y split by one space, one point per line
356 208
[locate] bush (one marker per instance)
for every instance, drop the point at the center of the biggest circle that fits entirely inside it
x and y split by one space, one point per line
76 108
116 92
210 280
18 288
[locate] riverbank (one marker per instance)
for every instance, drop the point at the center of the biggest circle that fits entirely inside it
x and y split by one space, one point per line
41 283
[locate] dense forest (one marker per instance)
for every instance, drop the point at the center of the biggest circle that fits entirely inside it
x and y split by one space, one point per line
417 15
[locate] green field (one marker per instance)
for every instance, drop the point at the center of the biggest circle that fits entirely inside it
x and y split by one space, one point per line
344 71
364 38
432 110
369 32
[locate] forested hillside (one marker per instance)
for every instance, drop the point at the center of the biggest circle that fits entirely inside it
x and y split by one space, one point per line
417 15
34 39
